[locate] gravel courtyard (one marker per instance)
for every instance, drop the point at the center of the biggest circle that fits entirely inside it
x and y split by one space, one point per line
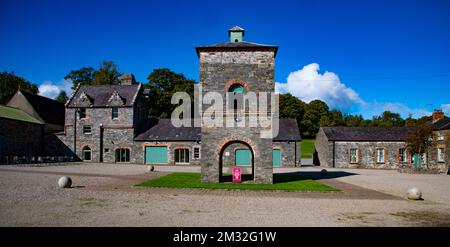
102 195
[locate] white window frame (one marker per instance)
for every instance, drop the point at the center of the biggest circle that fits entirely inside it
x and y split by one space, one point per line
440 136
184 155
199 153
378 156
356 156
440 154
405 154
90 130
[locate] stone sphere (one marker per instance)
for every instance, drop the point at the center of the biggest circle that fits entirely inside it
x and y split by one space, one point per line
150 168
324 172
65 182
414 194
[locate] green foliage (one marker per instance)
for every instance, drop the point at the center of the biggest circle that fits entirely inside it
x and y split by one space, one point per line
281 182
106 74
316 112
163 83
307 148
9 83
62 97
419 140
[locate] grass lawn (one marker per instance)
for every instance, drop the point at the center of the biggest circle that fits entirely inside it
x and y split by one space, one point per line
281 182
307 148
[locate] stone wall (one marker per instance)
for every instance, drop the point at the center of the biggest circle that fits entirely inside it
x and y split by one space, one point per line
290 153
18 138
323 155
367 154
434 164
255 72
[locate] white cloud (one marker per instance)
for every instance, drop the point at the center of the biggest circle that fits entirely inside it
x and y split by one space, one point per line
446 109
376 108
51 90
308 84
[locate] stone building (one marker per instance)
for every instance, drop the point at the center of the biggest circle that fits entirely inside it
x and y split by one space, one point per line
362 147
49 112
382 147
236 67
440 151
20 134
109 123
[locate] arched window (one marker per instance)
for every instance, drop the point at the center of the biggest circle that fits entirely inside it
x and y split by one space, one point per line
182 156
122 155
86 153
238 91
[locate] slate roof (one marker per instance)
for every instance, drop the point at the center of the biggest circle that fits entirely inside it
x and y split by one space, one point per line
163 130
243 45
51 111
367 133
288 130
17 114
100 94
443 124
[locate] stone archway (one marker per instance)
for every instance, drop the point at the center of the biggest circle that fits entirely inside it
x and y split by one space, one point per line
242 140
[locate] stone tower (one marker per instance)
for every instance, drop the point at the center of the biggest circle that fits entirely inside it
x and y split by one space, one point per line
237 67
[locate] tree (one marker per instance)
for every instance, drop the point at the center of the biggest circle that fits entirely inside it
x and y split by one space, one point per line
62 97
162 84
9 83
335 118
410 121
388 118
314 112
291 107
353 120
106 74
83 76
419 140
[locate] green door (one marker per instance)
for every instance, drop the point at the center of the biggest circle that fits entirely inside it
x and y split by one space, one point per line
418 160
156 155
276 157
243 157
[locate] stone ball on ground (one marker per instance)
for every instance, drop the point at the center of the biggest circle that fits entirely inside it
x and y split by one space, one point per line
65 182
324 172
414 194
150 168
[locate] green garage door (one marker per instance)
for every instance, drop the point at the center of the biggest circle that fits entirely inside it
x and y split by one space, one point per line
243 157
156 155
276 160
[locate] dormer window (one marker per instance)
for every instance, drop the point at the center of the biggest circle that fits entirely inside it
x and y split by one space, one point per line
82 113
115 112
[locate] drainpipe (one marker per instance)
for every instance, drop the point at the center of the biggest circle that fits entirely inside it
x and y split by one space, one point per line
75 133
334 154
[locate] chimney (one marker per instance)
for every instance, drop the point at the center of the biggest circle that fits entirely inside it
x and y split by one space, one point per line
437 115
127 79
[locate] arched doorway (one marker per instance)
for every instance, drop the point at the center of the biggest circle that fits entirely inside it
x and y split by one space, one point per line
245 162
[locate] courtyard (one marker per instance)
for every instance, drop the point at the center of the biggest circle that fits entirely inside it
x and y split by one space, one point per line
106 195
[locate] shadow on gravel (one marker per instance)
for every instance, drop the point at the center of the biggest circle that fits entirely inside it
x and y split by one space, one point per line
316 175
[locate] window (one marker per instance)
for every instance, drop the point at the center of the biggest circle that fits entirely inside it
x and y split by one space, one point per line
380 155
440 136
115 112
122 155
82 113
87 130
86 153
402 155
353 155
440 155
182 156
196 153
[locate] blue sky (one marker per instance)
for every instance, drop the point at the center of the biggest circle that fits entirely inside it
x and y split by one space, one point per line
380 55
